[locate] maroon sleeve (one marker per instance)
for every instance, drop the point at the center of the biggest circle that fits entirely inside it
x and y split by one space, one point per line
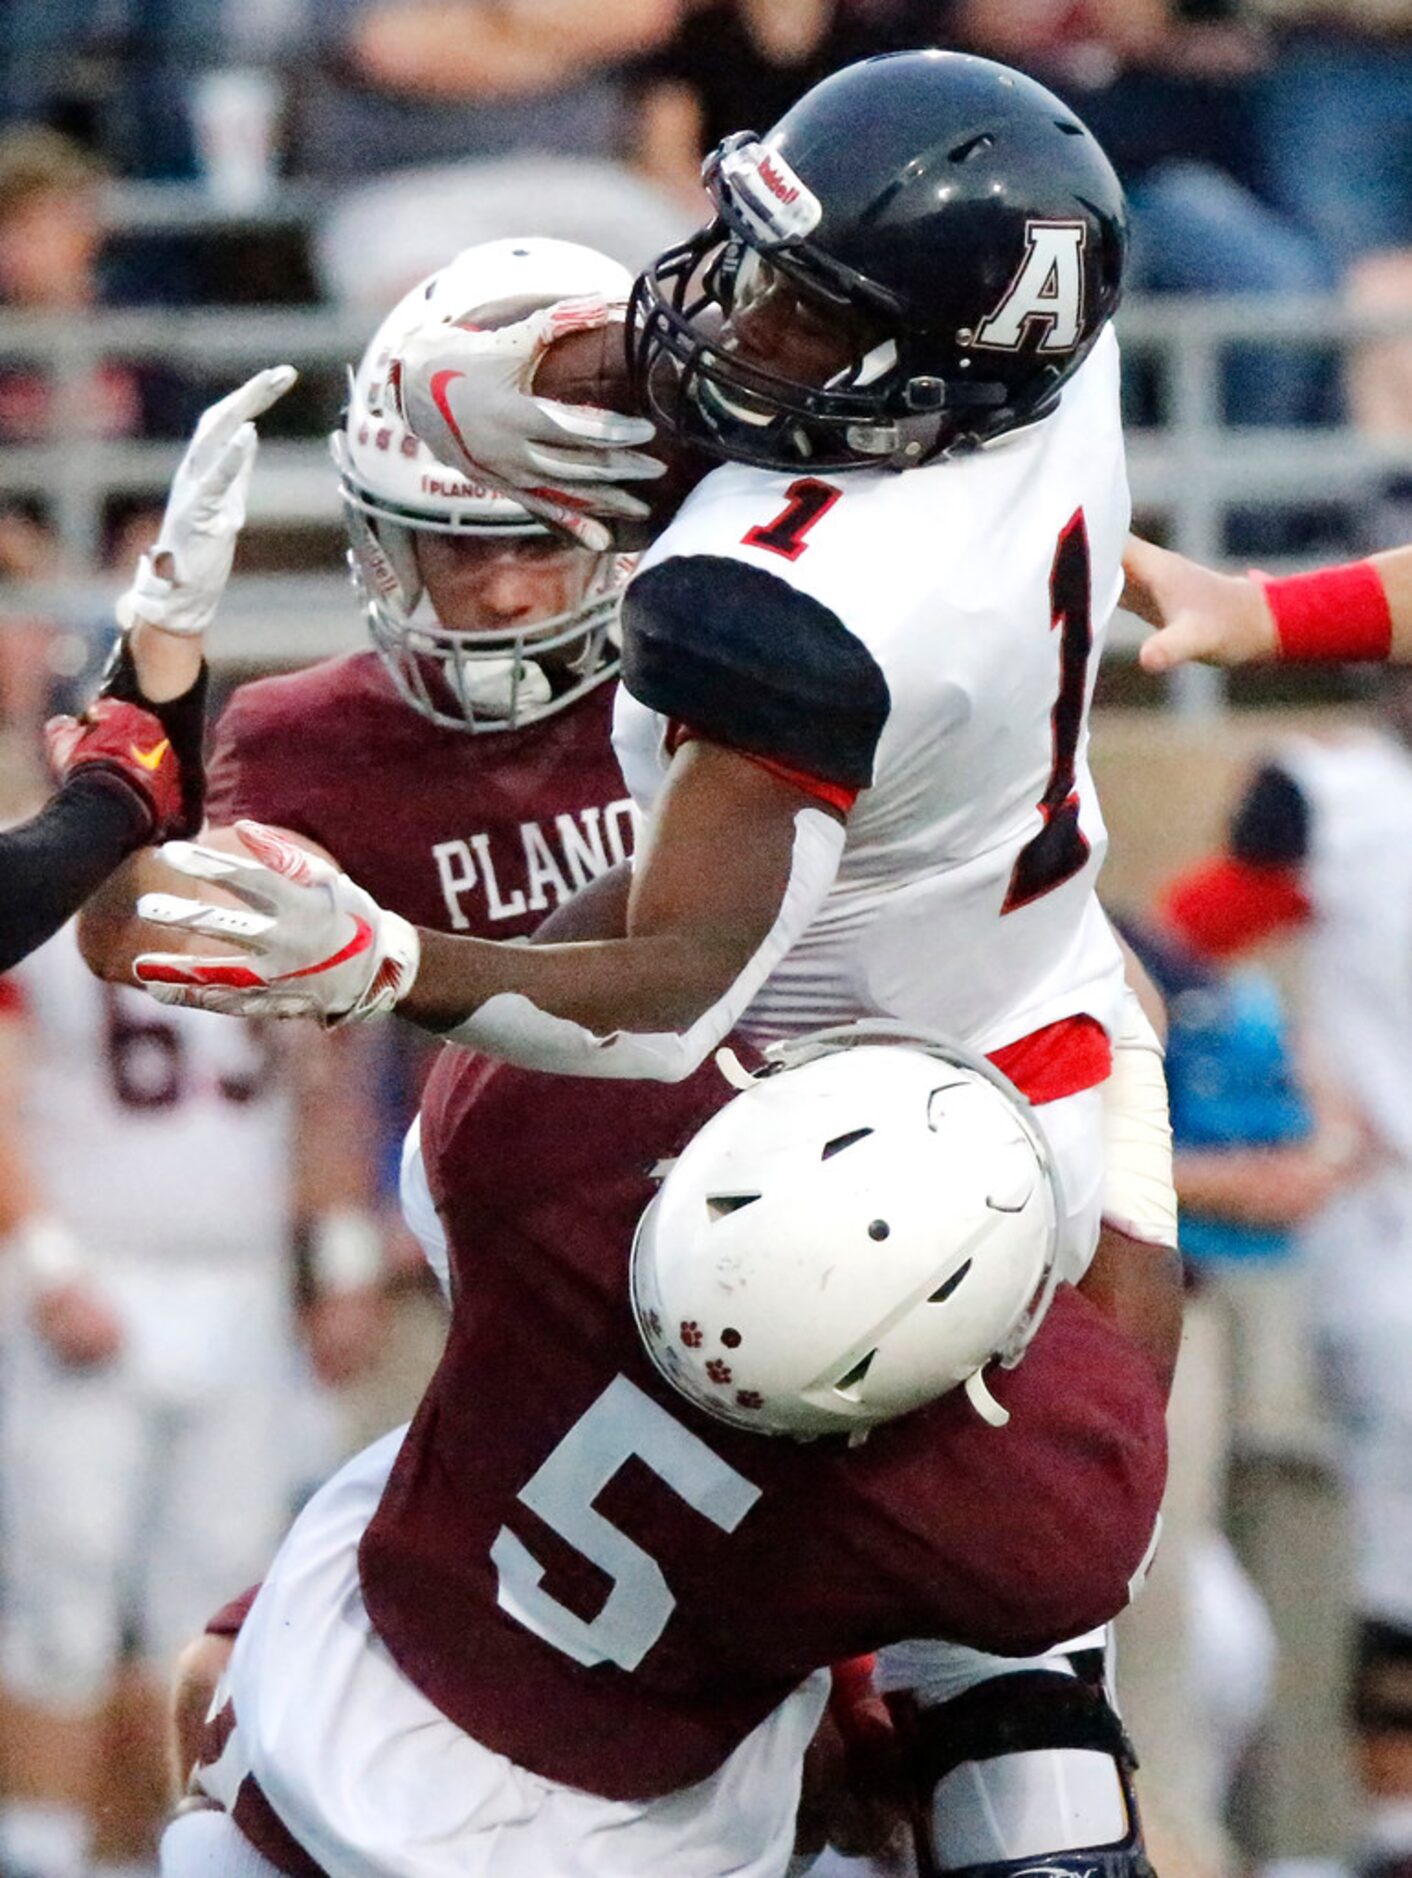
228 767
229 1618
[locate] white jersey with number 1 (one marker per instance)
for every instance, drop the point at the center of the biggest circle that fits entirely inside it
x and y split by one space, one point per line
924 647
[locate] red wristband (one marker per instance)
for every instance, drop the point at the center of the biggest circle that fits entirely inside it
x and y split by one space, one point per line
1333 613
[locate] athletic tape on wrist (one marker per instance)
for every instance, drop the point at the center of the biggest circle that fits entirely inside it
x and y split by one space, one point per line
1139 1195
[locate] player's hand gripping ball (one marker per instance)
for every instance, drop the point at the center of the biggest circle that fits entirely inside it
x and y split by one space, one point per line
303 940
527 407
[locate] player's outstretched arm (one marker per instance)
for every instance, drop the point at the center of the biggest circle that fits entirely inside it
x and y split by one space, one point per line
129 767
1362 610
733 869
179 584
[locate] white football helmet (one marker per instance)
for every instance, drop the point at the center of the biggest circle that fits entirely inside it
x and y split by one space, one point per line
857 1233
393 489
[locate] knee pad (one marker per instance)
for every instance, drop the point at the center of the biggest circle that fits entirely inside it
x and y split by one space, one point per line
1381 1691
1024 1776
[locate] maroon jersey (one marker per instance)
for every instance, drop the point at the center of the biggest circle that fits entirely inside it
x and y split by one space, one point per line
474 833
610 1588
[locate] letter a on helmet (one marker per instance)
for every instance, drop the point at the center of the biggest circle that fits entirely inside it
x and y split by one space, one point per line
1048 291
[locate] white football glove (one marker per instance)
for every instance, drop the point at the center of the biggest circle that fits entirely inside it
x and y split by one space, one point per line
467 394
313 943
204 514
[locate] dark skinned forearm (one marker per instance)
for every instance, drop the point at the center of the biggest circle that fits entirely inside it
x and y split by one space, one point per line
1139 1288
643 984
705 892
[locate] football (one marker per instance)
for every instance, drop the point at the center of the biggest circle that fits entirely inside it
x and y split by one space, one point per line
591 368
110 934
587 368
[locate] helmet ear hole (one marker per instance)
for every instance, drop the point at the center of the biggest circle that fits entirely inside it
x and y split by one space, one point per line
851 1385
944 1291
840 1142
722 1205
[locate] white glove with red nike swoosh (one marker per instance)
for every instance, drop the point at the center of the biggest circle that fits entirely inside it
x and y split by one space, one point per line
312 943
468 394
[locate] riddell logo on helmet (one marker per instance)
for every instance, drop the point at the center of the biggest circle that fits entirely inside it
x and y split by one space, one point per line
384 578
777 185
769 198
1058 1871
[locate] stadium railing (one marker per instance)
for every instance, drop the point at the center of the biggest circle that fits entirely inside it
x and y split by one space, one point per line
1187 472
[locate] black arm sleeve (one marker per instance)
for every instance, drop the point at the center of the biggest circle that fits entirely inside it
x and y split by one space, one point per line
183 719
1271 826
50 865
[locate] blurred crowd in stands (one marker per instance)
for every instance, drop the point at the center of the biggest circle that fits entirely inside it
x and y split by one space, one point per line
1266 144
342 148
180 153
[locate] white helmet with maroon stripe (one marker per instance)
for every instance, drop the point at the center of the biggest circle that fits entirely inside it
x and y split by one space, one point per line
394 489
857 1233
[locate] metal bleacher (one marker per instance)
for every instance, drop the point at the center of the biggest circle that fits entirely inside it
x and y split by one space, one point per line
1186 473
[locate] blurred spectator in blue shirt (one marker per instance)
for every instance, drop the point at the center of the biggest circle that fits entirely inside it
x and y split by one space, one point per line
1335 120
1255 1156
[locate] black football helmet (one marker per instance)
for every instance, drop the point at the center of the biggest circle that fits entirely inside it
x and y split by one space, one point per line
955 214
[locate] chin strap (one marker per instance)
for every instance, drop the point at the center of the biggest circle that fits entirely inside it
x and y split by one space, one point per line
983 1402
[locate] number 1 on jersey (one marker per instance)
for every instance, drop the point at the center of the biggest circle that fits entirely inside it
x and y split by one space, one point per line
1060 849
809 501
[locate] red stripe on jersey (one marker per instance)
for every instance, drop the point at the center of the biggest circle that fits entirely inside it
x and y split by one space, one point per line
834 795
12 998
1223 906
1061 1060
